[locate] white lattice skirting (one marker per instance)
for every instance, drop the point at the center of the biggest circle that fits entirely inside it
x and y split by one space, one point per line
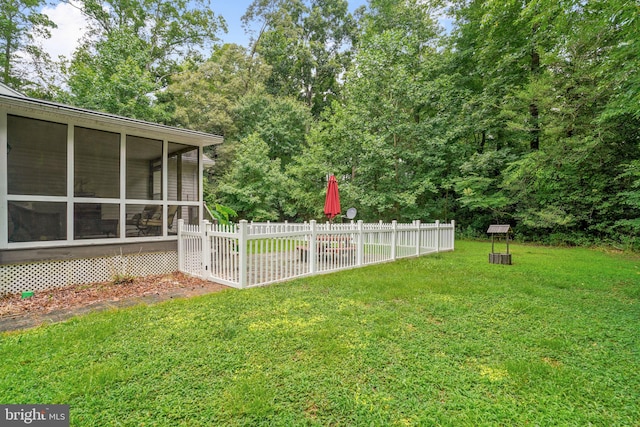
43 275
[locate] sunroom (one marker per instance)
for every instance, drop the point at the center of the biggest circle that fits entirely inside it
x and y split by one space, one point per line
98 193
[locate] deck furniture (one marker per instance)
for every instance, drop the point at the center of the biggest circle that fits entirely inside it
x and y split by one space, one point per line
149 221
330 247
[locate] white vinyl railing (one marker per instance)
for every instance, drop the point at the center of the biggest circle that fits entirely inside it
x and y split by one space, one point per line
253 254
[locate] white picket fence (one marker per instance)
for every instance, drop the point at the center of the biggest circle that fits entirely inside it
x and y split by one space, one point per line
254 254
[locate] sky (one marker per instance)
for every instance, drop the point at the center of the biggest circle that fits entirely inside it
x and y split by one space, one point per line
71 24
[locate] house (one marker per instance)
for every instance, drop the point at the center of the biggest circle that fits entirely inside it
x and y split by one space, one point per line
85 195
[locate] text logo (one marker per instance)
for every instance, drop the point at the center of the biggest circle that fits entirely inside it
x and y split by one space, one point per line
34 415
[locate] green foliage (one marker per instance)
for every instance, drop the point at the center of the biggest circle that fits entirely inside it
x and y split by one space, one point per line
254 186
115 79
307 44
376 138
479 184
281 122
134 48
628 226
223 214
220 213
524 112
445 339
207 94
170 30
307 180
20 23
540 78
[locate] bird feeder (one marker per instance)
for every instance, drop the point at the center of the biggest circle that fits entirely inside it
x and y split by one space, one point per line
497 257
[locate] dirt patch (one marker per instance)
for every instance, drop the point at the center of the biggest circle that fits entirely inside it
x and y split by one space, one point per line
74 297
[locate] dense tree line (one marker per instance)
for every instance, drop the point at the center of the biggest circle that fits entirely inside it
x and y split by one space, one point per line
525 112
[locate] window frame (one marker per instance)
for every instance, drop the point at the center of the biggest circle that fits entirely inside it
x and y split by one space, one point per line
72 120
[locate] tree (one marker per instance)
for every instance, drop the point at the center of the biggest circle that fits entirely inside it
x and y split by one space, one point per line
207 94
310 167
113 78
591 135
132 49
20 23
170 30
380 138
206 97
253 186
541 75
499 46
281 122
307 44
628 225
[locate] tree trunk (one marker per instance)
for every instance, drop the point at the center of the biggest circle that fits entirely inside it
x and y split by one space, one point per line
6 72
534 143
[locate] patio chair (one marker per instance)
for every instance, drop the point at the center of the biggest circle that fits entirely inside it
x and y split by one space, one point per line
149 221
154 224
141 219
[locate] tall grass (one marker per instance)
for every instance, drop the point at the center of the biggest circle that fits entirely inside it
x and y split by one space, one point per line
445 339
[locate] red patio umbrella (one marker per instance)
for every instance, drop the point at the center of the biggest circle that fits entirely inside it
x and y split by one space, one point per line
332 200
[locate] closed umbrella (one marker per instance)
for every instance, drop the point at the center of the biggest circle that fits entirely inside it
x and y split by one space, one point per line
332 199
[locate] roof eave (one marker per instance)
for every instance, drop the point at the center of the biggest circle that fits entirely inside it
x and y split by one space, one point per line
183 135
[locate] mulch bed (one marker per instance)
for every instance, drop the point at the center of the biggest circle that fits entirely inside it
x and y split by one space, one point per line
73 297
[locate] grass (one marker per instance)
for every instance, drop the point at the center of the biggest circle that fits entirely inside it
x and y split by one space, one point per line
446 339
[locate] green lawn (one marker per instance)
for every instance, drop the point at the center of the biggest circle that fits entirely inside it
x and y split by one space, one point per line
445 339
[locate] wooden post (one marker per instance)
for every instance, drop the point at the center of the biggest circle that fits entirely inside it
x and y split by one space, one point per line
507 239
